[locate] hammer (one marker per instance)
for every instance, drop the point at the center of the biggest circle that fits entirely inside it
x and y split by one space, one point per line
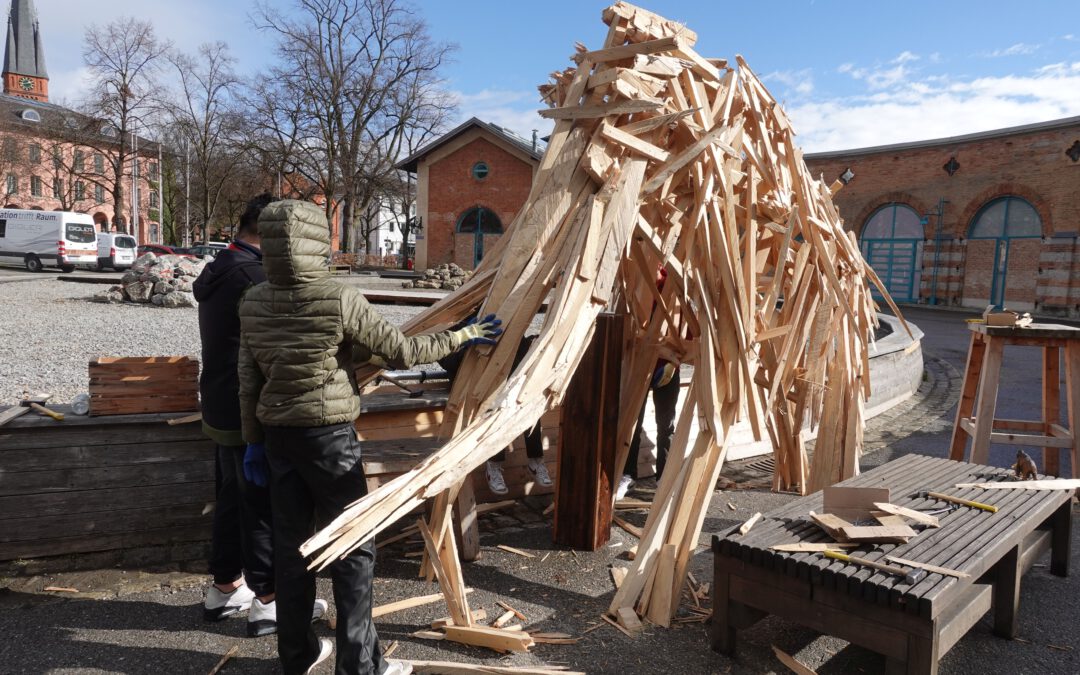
34 403
910 576
413 393
956 500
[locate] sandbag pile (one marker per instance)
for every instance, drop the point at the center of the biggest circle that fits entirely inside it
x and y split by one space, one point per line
164 281
446 277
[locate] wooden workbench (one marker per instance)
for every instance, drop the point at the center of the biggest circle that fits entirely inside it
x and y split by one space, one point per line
913 626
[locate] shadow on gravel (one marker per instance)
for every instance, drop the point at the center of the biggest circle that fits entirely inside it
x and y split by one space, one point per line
90 635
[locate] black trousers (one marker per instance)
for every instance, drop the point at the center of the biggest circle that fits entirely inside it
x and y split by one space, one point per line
665 399
243 536
315 472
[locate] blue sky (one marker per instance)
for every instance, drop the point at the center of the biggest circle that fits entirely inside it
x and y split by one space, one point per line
850 74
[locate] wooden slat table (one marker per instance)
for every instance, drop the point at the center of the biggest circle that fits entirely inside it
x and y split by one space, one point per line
975 414
912 626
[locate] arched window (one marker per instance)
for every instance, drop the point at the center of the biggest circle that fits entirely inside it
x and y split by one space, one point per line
480 219
893 221
1006 217
891 242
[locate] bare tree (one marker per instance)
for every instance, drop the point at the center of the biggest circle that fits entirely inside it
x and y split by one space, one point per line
204 114
124 58
356 67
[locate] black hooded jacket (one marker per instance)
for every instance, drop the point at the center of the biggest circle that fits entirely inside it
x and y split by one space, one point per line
218 291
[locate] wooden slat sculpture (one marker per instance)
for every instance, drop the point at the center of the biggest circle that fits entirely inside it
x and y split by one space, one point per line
659 158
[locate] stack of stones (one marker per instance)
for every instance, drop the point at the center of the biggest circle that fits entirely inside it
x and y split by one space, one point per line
160 280
447 277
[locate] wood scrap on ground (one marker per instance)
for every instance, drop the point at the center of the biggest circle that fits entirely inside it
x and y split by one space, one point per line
408 603
789 661
718 196
627 526
233 651
515 551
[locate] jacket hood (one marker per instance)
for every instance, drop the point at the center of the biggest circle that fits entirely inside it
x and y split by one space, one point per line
295 242
218 273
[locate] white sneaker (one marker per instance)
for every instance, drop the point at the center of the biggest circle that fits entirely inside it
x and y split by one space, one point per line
625 483
219 605
540 472
326 648
397 667
262 620
496 482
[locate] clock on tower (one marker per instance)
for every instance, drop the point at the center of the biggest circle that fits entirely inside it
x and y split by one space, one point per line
26 84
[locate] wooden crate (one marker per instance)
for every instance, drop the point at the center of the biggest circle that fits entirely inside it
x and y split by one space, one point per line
144 384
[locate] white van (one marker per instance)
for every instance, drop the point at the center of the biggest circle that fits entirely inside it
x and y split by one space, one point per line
38 239
116 250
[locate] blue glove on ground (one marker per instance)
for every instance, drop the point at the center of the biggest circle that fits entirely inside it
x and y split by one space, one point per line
482 332
256 470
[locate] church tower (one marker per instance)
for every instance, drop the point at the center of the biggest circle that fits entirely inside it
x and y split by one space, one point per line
24 59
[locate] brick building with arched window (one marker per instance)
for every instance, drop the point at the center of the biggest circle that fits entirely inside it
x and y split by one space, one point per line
984 218
470 184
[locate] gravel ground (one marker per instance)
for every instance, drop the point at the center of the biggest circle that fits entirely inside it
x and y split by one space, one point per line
50 331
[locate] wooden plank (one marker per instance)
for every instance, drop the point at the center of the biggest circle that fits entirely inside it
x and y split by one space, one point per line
1051 404
929 568
630 51
466 527
407 603
750 522
910 514
633 143
1055 484
492 638
579 112
587 442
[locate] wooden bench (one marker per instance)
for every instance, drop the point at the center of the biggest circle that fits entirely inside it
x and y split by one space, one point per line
912 626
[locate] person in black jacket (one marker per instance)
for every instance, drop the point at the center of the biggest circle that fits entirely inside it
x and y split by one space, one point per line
242 552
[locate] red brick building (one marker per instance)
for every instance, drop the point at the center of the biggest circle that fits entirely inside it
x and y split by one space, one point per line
983 218
470 184
56 159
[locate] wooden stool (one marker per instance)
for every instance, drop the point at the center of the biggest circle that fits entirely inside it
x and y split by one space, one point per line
981 379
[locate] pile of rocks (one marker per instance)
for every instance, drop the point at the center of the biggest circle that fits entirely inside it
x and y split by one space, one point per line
160 280
447 277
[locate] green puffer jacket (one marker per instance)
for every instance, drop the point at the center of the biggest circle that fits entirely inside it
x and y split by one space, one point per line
303 334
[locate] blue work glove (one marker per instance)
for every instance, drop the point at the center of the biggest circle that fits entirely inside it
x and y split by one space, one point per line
256 470
663 374
482 332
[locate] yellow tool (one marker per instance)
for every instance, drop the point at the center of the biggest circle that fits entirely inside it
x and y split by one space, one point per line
910 576
34 403
957 500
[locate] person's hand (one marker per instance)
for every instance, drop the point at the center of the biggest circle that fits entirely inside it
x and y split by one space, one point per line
256 469
663 374
482 332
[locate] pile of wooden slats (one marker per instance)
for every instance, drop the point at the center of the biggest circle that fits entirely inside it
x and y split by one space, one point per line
660 158
133 385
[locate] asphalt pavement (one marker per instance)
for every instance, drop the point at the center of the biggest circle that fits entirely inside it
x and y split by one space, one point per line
149 621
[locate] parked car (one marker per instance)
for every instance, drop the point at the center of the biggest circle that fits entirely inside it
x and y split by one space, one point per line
161 249
203 250
117 251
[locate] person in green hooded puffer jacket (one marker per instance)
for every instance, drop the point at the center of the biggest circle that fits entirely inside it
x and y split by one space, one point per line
302 336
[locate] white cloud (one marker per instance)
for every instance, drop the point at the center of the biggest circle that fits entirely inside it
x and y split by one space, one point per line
882 77
511 109
1018 49
801 82
935 107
